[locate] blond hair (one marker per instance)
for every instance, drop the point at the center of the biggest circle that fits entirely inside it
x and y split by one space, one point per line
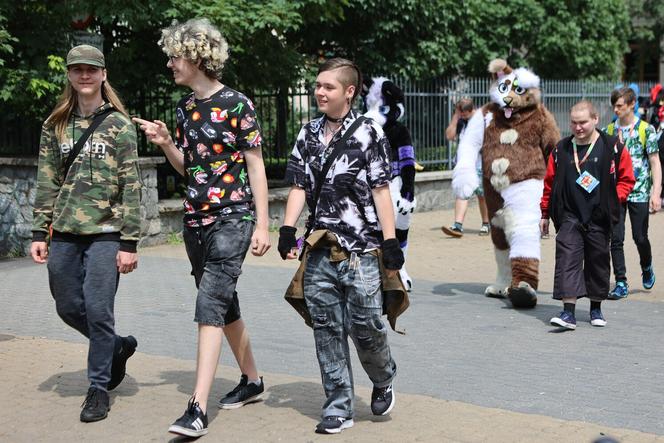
196 40
587 105
68 102
349 74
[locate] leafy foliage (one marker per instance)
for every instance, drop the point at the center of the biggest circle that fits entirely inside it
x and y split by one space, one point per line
275 44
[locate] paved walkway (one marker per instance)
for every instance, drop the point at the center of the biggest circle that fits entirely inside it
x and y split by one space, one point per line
471 369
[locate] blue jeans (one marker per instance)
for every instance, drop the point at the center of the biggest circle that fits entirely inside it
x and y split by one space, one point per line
344 301
83 278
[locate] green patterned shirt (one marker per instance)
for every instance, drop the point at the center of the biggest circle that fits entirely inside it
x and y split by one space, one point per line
639 154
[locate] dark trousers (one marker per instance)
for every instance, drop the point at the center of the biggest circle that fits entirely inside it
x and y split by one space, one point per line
83 278
582 261
638 217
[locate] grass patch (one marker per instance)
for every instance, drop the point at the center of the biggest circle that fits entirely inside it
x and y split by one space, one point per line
174 238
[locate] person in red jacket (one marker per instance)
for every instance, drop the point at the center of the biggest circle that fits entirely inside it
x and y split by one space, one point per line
589 175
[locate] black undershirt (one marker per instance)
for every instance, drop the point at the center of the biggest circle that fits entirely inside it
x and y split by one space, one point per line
577 201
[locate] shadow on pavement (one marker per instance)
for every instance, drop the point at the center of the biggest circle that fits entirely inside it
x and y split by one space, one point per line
307 399
75 384
464 289
541 312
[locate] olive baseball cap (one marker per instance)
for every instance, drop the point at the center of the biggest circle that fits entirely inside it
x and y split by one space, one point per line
85 55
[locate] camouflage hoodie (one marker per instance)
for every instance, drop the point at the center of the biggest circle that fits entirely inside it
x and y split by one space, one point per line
101 192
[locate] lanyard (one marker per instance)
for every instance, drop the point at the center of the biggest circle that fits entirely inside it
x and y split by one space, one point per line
578 163
631 131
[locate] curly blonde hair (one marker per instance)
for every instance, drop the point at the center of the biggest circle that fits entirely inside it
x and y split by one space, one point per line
196 40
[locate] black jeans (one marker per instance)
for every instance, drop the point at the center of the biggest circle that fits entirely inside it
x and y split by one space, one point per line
638 217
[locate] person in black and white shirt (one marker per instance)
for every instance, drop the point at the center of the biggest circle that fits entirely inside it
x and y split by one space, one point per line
342 281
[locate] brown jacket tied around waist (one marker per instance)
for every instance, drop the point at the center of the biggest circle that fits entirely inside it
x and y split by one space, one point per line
395 296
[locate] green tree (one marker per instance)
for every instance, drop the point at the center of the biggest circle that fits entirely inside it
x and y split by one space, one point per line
558 39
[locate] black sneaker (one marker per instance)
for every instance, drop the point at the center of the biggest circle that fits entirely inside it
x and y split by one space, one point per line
334 425
95 406
382 400
193 422
243 394
120 357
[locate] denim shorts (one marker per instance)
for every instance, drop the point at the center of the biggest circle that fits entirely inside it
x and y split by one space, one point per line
216 253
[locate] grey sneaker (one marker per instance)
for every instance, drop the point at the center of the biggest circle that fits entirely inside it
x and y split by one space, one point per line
453 231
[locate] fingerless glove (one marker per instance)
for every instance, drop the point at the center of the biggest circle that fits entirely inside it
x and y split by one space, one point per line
392 254
287 240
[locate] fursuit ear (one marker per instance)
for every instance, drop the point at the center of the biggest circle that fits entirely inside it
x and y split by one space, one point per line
392 92
366 85
527 78
499 67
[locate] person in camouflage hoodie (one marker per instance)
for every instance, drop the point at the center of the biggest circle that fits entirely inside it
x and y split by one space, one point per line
91 215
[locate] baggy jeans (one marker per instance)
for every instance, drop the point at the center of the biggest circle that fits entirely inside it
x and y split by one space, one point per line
346 300
83 278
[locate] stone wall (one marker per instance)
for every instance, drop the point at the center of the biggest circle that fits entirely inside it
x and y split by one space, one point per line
160 219
18 179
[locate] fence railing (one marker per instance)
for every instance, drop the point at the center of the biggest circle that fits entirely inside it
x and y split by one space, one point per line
429 108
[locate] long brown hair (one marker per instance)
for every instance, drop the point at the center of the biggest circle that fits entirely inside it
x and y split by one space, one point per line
67 104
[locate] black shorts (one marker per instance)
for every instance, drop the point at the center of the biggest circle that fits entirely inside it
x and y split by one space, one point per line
582 261
216 253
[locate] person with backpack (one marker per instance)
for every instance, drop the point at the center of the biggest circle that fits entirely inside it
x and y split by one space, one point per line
87 206
340 168
589 176
640 140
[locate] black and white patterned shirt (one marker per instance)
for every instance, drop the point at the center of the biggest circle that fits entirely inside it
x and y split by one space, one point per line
346 206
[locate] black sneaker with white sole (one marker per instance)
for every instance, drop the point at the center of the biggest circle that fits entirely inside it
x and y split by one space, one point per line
334 425
242 394
193 423
382 400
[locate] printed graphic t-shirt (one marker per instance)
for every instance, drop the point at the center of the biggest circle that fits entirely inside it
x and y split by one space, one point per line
346 206
213 134
640 162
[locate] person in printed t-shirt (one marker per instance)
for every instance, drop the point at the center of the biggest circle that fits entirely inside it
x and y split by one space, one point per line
342 282
640 139
218 148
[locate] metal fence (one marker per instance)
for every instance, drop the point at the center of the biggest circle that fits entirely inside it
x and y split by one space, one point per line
429 108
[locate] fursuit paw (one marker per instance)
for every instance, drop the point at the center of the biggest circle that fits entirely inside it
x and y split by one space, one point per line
404 206
495 291
464 182
523 296
405 279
